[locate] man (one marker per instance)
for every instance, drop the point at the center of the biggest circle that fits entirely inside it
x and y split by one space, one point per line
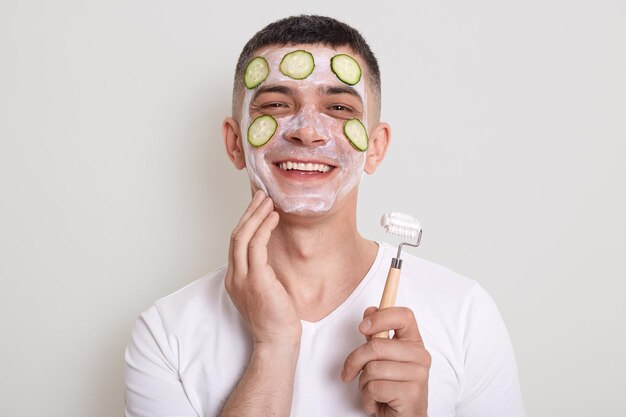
286 327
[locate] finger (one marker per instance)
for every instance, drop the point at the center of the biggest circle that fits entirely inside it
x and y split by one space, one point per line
389 371
399 319
257 199
370 405
242 238
368 312
378 349
257 249
385 392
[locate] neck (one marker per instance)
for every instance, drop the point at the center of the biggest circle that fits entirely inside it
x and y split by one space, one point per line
319 259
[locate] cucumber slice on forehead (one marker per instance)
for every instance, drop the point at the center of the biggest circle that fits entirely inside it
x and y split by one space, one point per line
297 64
357 134
346 68
261 130
256 72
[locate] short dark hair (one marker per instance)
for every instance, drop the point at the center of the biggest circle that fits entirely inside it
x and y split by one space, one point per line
309 29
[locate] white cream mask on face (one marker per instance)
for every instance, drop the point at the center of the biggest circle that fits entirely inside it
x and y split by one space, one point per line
309 163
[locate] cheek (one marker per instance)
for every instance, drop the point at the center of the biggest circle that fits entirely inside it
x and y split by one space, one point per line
257 159
350 157
356 163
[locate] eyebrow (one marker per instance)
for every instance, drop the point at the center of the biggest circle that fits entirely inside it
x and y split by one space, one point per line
323 90
272 89
335 90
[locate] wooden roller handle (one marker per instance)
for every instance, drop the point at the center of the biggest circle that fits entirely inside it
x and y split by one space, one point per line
389 295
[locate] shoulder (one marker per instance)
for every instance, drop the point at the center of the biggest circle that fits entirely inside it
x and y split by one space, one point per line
447 304
196 292
428 284
201 301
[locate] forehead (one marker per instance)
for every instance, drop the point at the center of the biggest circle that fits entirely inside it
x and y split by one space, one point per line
322 72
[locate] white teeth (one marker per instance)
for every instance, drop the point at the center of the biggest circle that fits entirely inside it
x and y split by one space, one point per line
301 166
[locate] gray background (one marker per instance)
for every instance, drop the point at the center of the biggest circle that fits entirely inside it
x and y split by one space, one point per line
509 136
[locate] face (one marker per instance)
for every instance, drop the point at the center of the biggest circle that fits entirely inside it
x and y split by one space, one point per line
308 163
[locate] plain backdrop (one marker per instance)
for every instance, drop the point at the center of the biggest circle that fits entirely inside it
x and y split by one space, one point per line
509 140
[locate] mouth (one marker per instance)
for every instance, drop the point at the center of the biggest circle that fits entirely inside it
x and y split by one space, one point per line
303 166
301 169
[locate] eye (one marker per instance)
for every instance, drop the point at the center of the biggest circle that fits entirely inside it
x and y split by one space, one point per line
274 105
342 111
340 107
273 108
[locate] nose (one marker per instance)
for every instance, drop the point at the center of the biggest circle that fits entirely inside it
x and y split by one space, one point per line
305 128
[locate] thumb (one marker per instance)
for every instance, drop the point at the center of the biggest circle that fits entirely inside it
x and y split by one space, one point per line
368 312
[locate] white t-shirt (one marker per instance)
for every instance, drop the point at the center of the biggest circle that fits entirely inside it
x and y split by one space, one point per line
189 350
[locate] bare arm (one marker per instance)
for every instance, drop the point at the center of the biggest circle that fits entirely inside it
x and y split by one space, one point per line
266 387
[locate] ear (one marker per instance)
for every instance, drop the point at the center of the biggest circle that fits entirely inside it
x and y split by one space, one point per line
232 142
377 147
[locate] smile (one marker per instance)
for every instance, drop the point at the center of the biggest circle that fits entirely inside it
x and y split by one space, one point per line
303 166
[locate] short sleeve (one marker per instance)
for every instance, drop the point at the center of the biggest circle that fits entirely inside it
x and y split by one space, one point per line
153 387
489 383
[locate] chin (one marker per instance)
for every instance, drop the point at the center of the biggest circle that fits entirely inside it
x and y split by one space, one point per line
299 205
305 214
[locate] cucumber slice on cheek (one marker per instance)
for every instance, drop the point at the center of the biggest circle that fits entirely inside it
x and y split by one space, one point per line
261 130
346 68
256 72
297 64
357 134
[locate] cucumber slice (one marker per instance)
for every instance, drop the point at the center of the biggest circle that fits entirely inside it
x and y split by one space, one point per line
346 68
356 132
261 130
297 64
256 72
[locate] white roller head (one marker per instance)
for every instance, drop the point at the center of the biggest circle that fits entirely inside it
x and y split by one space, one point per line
400 224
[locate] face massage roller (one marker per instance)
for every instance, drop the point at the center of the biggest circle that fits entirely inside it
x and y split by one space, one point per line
405 226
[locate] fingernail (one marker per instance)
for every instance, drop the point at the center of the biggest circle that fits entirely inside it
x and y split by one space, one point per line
366 324
343 374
